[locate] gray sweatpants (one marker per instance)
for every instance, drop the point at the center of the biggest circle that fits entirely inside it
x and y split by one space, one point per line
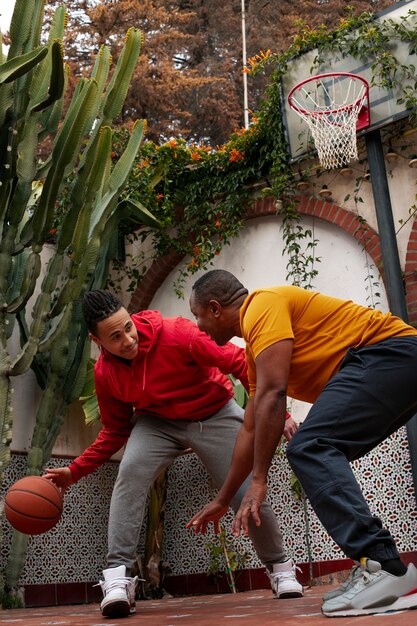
153 444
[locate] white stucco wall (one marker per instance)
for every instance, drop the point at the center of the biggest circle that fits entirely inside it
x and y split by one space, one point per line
256 259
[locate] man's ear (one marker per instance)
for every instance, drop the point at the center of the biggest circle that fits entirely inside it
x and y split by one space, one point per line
215 308
95 339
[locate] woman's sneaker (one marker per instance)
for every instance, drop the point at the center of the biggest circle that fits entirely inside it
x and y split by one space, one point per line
284 581
119 592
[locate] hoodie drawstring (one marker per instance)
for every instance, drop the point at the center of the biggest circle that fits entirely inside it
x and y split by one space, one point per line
144 373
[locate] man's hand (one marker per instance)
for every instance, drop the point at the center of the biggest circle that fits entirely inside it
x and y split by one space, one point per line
249 507
61 476
290 428
212 512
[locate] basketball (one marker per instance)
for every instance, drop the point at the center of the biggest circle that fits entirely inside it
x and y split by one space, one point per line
33 505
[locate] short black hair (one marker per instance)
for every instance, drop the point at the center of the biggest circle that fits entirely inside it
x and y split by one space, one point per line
219 285
98 305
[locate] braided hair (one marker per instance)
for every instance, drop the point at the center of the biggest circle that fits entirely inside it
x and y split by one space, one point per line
218 285
98 305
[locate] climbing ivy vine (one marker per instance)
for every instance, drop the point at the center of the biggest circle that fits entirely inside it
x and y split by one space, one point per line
201 193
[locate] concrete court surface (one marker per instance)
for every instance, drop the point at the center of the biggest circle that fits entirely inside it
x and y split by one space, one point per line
249 608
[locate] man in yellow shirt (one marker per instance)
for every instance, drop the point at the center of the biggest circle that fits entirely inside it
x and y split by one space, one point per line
358 367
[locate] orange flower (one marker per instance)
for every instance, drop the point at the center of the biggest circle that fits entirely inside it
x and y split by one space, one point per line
159 196
195 156
192 264
173 143
235 155
196 251
218 224
113 155
143 163
52 231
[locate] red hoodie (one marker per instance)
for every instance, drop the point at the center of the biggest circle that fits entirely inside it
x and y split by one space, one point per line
178 373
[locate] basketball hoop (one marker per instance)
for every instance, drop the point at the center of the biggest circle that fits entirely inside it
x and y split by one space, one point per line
335 106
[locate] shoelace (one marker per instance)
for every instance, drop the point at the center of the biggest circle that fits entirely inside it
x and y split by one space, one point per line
354 573
112 584
365 578
288 574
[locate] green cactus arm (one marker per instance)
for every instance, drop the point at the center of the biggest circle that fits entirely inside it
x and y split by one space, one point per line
90 178
56 80
5 406
18 66
59 24
76 377
65 151
37 25
119 84
31 272
52 116
58 326
6 101
40 313
21 25
100 74
118 177
101 67
39 364
47 76
18 550
26 150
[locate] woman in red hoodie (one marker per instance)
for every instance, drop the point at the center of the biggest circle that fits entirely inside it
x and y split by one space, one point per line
162 388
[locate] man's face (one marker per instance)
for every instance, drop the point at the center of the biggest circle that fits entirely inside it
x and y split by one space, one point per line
118 335
211 320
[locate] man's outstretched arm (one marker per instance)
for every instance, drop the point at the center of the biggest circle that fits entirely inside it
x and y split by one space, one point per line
242 463
272 372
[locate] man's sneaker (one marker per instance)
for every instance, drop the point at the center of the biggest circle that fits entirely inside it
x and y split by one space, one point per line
350 580
284 581
119 592
375 591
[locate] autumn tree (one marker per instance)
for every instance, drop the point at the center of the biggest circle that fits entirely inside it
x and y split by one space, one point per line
188 82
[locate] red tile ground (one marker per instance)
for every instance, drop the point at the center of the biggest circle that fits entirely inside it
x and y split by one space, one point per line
250 608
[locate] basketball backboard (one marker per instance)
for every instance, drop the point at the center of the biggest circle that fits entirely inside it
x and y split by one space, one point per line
384 107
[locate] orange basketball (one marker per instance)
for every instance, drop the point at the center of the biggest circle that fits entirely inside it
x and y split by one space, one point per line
33 505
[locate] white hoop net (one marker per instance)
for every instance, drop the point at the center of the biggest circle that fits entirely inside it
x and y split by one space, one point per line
331 105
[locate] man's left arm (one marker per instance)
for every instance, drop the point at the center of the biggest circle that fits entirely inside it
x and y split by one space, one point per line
272 372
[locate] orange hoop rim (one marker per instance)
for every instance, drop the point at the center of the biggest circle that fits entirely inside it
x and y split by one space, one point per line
345 107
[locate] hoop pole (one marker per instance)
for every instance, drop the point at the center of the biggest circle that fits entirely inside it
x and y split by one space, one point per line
391 260
392 267
245 76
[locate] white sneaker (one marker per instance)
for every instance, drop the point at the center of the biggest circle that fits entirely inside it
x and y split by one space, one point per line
284 581
375 591
119 592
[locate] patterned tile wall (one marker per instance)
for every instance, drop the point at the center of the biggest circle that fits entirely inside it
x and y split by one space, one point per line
75 550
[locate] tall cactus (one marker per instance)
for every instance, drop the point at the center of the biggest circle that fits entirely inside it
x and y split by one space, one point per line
52 338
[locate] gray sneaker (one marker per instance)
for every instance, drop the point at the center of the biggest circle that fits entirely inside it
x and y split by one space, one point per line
353 574
375 591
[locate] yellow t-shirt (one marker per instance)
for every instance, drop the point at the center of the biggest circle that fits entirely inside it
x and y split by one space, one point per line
323 329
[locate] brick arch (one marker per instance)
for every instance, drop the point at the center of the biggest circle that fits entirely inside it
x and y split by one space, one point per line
410 273
366 236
